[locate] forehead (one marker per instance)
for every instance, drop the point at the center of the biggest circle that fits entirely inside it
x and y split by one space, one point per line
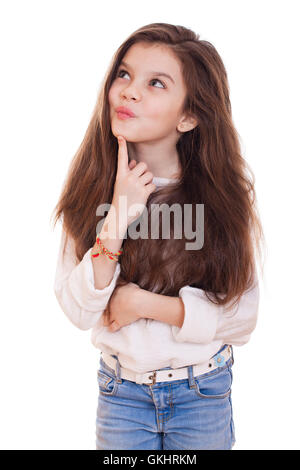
148 57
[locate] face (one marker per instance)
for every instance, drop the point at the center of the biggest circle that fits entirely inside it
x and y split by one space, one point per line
156 100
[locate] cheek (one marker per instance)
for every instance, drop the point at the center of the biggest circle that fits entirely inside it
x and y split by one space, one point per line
161 108
163 116
111 96
114 94
113 100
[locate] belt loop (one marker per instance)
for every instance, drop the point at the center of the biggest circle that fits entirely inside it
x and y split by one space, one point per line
119 380
192 383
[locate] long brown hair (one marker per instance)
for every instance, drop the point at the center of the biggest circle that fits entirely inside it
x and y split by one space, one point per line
213 173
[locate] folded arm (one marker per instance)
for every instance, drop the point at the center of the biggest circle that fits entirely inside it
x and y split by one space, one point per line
197 320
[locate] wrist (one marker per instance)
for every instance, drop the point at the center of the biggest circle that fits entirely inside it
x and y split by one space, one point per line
146 304
138 302
115 223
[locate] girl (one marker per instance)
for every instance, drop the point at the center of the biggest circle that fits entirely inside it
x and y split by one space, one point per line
163 312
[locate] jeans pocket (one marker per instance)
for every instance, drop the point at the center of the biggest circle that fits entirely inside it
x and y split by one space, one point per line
108 385
215 384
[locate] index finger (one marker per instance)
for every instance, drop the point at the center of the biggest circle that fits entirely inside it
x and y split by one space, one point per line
122 154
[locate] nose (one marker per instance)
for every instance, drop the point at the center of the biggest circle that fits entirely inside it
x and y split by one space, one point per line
130 93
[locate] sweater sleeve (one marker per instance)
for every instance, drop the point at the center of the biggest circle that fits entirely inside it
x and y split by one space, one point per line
205 322
74 286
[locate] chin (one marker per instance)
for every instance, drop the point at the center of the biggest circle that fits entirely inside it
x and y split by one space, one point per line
117 130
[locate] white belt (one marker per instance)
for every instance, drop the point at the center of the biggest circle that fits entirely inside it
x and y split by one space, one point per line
167 375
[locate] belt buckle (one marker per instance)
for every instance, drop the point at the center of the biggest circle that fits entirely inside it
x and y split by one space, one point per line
153 377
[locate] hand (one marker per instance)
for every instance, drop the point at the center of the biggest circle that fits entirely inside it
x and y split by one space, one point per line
132 181
132 164
123 309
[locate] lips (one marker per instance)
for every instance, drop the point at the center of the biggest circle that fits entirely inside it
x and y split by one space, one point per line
125 111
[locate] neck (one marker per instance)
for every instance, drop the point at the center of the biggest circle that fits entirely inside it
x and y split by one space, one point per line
161 160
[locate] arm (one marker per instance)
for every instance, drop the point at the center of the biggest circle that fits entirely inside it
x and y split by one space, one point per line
104 268
74 286
195 319
160 307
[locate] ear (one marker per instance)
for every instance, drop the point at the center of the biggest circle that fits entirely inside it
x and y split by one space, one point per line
187 123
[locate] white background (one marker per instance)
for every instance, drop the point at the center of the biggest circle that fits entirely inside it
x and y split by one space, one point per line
54 55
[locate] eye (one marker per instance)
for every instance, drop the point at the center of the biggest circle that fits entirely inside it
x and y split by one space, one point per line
121 71
156 80
153 80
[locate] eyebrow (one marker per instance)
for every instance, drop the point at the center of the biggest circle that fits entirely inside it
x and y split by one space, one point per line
160 74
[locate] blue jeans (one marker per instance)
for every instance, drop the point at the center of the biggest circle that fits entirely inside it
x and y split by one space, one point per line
188 414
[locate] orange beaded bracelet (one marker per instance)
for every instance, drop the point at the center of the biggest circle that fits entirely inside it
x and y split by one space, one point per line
104 250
